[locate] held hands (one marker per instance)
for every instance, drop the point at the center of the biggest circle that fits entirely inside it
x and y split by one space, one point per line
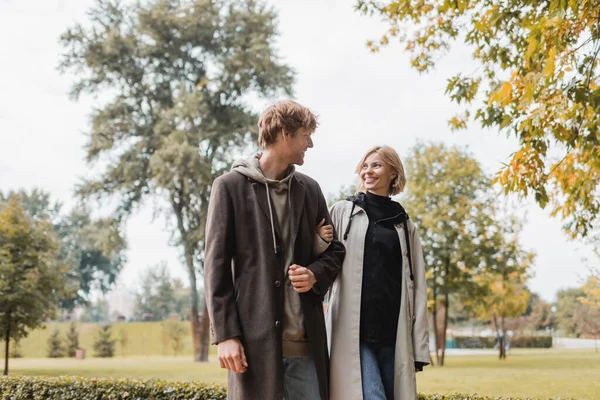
302 278
232 356
325 231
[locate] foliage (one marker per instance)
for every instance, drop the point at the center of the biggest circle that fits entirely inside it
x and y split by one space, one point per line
156 294
72 388
72 340
92 248
175 333
450 199
56 348
104 345
32 280
178 75
535 77
477 342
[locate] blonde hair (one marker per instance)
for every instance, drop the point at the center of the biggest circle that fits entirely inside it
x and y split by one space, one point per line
391 158
286 116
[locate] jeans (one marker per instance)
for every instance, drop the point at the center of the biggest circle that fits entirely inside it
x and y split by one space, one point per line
377 368
300 379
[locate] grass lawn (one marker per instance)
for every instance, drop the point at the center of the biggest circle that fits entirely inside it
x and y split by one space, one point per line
526 373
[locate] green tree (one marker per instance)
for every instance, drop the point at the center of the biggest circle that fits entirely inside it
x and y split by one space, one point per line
104 345
123 341
96 311
72 340
156 294
567 303
503 281
343 193
448 198
535 77
178 75
93 248
539 313
173 333
56 348
16 351
587 314
32 280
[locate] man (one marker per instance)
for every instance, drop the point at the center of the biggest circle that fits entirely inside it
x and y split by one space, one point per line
264 281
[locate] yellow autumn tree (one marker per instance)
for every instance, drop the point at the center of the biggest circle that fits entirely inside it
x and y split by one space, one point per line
535 76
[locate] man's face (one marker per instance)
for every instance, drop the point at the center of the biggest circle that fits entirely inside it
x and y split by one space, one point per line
294 147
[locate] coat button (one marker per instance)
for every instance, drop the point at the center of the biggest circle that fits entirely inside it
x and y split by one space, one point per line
277 324
277 283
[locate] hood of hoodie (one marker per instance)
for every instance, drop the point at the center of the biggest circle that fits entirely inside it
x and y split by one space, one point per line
360 199
251 168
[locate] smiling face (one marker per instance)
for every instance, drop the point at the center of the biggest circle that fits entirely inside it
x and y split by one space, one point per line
293 147
376 175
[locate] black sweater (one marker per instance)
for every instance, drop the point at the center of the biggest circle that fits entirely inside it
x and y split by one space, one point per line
382 269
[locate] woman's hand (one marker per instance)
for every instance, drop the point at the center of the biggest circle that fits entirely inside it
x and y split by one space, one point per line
325 232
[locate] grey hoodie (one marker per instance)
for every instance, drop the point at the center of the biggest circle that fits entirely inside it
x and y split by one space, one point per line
295 343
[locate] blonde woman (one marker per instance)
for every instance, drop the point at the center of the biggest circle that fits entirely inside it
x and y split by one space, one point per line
377 313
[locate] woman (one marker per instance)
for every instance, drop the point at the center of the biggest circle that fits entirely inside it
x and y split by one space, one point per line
377 313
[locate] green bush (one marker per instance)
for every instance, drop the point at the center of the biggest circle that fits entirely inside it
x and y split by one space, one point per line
544 342
104 345
71 388
476 342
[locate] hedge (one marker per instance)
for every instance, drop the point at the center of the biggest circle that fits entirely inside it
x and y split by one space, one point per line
73 388
476 342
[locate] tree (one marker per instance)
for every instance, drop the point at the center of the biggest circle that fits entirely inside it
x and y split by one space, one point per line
448 198
104 345
503 281
587 314
32 280
55 349
178 74
16 351
539 313
343 193
123 341
173 334
535 77
157 293
93 248
96 311
72 340
567 303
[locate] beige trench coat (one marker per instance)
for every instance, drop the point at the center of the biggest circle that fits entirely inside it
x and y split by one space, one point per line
343 313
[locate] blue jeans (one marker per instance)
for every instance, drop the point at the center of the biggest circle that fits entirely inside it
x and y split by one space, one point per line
300 379
377 368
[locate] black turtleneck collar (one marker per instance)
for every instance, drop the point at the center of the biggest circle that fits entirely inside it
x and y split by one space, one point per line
383 206
375 199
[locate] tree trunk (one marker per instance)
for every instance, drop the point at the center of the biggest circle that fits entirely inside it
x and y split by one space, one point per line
502 344
7 343
435 324
445 328
200 328
498 335
200 349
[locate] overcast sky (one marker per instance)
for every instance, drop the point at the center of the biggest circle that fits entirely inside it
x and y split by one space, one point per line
363 99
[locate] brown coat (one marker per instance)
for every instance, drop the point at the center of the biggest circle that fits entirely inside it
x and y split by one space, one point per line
244 279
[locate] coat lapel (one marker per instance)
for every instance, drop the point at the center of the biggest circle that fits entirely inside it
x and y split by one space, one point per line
297 196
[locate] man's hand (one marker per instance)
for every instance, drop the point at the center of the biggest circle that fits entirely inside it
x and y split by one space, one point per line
232 356
302 278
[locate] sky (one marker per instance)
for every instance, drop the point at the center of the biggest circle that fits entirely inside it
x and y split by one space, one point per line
362 99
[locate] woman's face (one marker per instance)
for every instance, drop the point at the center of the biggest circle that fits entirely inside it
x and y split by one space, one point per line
376 176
